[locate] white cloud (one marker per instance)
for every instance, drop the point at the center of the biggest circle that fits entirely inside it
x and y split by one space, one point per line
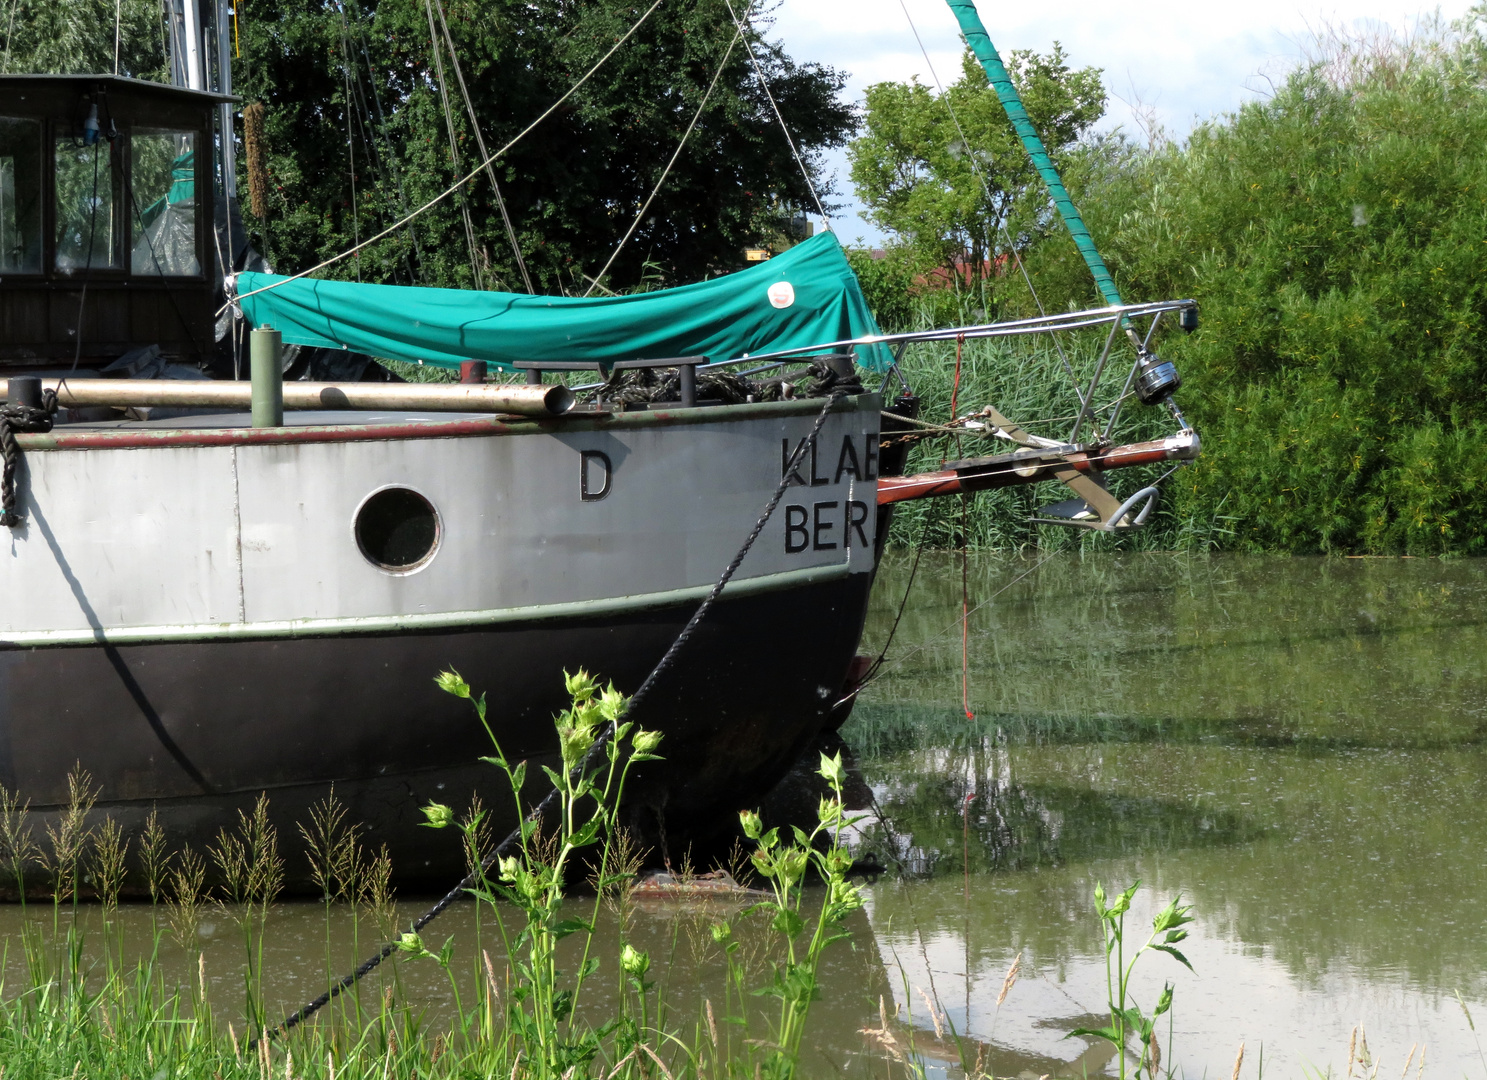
1186 61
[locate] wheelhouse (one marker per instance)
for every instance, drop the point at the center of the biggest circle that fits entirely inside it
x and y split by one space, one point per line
107 210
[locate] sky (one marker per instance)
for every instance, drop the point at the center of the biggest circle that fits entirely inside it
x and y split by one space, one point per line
1178 60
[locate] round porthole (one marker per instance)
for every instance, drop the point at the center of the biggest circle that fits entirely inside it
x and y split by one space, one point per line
397 529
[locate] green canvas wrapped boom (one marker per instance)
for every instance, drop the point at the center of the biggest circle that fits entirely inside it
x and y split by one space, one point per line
806 296
991 62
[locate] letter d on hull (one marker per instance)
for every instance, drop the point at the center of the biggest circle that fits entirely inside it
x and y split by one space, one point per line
594 471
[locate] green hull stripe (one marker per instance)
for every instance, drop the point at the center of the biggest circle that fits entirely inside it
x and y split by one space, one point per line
396 624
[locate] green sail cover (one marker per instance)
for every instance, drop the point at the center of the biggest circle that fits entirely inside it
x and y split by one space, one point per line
725 318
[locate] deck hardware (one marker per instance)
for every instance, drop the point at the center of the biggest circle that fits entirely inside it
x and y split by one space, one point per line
1077 512
1157 380
266 362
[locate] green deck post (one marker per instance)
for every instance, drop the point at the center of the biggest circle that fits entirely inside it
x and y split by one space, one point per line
265 359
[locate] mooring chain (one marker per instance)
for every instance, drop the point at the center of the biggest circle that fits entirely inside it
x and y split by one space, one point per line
25 419
591 758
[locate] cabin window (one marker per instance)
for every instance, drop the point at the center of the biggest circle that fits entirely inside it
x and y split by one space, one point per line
163 197
20 196
85 204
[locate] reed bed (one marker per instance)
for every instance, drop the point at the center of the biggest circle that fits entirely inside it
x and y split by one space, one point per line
554 981
1026 380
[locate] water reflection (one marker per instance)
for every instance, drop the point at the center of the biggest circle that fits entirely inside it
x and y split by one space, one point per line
1293 744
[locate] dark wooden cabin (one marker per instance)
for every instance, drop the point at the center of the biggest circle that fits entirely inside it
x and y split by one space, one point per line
107 205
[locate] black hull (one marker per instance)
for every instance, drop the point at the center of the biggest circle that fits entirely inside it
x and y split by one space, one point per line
196 730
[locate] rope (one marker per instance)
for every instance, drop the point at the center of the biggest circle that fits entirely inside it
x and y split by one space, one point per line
19 418
666 171
350 142
936 636
986 190
467 177
490 170
590 760
980 44
924 530
454 150
764 85
386 158
965 552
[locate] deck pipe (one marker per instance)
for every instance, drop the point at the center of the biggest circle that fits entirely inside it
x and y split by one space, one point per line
512 398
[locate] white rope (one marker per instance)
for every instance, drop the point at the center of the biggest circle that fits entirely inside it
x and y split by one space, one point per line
463 180
764 85
521 263
666 171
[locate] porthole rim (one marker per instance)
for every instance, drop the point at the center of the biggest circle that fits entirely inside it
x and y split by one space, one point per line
411 568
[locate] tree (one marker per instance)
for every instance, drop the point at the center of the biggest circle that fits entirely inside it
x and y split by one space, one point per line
921 175
1332 234
78 37
353 97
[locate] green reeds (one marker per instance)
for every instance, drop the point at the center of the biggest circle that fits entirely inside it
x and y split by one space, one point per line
540 995
1027 381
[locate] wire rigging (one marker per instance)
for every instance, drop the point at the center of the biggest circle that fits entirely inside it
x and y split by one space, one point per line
363 118
619 42
490 169
387 155
454 150
764 85
986 190
666 171
350 143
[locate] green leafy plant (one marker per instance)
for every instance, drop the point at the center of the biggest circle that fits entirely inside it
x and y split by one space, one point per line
589 786
785 865
1127 1020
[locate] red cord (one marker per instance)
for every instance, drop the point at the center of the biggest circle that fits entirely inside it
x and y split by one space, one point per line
965 622
960 340
965 540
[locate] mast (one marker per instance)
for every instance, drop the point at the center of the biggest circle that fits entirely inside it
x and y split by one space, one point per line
224 111
187 69
991 62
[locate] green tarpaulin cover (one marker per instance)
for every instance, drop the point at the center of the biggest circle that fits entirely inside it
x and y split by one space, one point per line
806 296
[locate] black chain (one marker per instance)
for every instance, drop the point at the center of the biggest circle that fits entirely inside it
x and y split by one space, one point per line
17 418
590 760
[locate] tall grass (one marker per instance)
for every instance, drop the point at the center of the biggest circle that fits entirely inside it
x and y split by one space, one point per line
1027 381
86 1001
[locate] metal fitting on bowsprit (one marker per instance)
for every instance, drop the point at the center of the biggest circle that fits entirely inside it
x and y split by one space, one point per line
1157 379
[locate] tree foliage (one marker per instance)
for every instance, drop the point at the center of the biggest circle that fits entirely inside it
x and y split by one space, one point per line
359 85
947 184
76 37
355 102
1333 236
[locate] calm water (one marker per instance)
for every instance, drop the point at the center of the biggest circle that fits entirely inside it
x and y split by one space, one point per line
1294 745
